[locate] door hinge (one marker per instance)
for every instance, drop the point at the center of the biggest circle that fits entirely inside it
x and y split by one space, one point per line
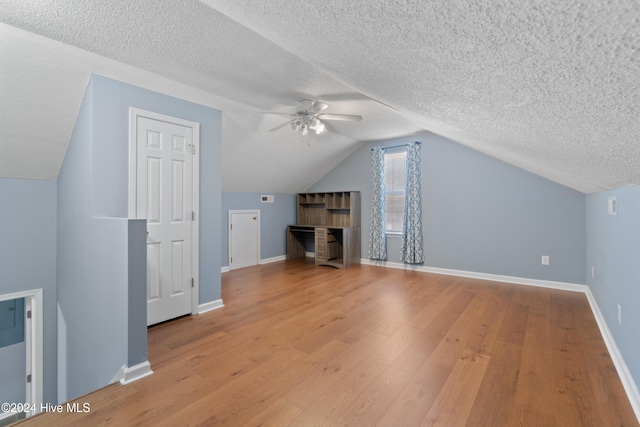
193 282
29 378
193 216
231 226
28 314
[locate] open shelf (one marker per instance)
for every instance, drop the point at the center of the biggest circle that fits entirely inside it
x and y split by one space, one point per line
341 208
334 220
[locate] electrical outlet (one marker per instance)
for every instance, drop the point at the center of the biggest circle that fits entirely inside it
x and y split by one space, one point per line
545 259
593 272
619 315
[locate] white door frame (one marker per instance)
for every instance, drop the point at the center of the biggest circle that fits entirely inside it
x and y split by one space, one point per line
134 113
33 338
255 212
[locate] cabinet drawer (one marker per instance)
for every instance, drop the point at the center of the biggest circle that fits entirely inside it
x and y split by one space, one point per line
321 240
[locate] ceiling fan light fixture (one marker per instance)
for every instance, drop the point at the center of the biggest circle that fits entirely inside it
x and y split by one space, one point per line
310 116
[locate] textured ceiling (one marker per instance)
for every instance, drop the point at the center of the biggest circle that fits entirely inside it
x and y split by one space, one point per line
549 86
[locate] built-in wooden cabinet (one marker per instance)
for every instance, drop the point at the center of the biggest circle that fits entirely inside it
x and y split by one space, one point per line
332 219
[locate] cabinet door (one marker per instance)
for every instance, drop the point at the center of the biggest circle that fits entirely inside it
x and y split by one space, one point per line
321 244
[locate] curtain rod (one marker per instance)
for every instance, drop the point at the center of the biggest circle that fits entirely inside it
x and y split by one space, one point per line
401 145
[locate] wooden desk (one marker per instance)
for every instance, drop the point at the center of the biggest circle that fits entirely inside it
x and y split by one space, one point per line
335 246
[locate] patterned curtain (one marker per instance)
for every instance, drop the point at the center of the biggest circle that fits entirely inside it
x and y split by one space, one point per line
377 237
412 250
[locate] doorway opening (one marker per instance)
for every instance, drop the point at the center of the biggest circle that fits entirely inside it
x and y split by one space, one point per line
32 312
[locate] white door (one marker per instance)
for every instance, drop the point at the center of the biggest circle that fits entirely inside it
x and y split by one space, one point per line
165 197
244 239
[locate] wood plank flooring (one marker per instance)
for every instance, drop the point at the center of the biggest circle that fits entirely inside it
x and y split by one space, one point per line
302 345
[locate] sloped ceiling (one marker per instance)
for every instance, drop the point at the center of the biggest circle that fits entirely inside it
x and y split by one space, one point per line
552 87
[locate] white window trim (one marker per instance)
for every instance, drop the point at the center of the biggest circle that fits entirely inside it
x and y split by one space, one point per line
401 149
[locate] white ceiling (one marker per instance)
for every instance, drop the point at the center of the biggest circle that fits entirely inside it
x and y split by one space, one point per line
549 86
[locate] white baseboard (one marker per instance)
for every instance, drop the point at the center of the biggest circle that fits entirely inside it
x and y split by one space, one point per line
273 259
484 276
8 418
225 269
209 306
130 374
621 367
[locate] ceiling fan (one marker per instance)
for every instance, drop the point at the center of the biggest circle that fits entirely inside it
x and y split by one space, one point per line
309 116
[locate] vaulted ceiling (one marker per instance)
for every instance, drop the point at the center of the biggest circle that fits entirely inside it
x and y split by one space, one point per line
550 86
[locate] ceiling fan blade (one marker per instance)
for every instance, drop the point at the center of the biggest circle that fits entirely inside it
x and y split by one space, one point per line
277 113
318 106
280 126
342 117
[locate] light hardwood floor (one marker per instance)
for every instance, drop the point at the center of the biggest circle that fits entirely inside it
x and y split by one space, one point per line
302 345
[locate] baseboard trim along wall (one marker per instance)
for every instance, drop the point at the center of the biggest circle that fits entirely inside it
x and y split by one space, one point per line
210 306
126 375
225 269
628 383
621 366
273 259
484 276
8 418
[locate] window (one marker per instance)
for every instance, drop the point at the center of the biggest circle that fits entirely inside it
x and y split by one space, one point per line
395 163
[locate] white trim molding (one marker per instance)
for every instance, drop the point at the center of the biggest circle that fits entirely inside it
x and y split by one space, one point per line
225 269
625 376
134 373
210 306
273 259
484 276
621 366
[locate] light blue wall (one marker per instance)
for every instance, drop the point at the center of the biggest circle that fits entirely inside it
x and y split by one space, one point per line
91 273
95 295
274 218
112 100
613 249
480 214
28 259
